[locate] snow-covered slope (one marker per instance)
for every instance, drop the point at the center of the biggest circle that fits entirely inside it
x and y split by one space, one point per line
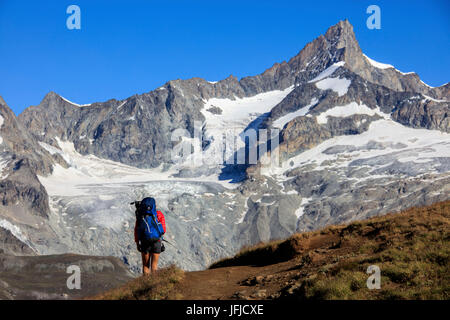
328 71
281 122
226 124
76 104
84 171
338 85
384 139
378 65
349 110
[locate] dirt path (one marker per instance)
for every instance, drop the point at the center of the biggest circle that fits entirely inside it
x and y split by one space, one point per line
231 282
214 284
249 282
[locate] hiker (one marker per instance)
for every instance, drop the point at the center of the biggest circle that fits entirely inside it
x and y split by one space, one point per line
148 231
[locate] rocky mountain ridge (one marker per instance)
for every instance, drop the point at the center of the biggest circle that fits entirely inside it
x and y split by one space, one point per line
115 129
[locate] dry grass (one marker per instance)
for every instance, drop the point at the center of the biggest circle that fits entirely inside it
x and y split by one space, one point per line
161 286
411 249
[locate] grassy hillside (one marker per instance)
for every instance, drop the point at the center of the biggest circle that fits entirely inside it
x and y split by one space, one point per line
162 286
411 249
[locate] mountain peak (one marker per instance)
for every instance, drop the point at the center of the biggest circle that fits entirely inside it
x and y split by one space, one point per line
341 35
342 25
50 96
337 44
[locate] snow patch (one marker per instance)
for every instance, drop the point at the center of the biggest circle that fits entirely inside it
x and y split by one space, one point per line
3 165
432 99
75 104
425 143
239 110
52 150
87 170
121 105
377 64
426 84
281 122
244 213
328 71
300 211
338 85
15 230
348 110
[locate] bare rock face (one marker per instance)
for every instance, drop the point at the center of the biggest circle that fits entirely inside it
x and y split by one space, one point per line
17 140
423 112
442 92
23 159
23 190
9 244
45 277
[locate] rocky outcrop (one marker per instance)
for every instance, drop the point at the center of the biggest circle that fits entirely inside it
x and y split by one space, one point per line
23 189
23 160
423 112
9 244
19 143
442 92
46 277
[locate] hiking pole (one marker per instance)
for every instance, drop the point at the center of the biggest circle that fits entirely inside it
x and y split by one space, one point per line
168 242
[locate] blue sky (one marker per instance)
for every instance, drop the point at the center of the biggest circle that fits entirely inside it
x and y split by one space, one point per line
129 47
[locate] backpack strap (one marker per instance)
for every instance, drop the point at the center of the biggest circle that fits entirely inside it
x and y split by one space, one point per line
155 223
145 221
